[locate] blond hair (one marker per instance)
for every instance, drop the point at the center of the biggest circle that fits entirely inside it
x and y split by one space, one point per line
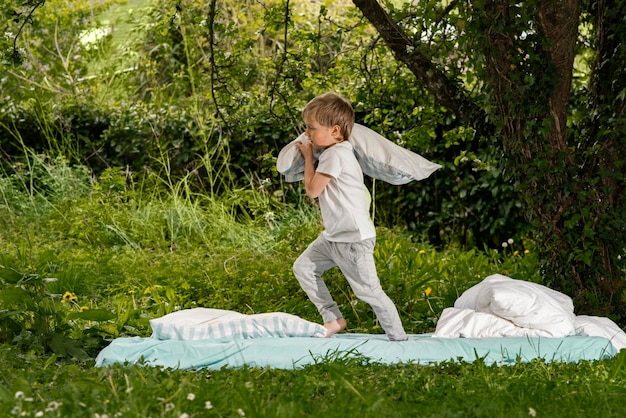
330 109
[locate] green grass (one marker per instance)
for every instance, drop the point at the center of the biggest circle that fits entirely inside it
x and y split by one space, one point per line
331 389
132 250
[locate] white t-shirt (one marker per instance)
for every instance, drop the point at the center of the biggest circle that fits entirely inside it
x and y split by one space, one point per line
345 201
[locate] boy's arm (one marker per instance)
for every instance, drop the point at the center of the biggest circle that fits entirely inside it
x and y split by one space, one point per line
314 183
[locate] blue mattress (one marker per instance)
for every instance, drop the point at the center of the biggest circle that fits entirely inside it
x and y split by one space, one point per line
297 352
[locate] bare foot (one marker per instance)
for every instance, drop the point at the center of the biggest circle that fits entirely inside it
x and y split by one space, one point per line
334 326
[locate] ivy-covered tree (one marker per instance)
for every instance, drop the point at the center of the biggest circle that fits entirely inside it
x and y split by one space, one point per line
516 88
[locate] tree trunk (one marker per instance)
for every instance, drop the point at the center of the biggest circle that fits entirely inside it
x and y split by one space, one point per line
607 148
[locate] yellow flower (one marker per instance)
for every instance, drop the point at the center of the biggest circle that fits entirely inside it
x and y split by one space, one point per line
526 251
428 291
84 308
515 253
69 297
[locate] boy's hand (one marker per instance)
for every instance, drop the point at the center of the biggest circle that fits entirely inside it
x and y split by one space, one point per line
314 183
306 149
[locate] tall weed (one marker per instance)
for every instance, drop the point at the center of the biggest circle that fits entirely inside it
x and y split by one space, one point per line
35 184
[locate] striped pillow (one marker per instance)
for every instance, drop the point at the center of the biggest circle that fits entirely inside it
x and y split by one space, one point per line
207 323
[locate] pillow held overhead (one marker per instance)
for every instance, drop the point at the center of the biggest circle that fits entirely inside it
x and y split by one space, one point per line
379 158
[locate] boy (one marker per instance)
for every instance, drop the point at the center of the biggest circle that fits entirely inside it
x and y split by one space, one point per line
349 236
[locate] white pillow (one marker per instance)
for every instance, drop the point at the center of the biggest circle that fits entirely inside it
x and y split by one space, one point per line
290 161
379 158
526 304
207 323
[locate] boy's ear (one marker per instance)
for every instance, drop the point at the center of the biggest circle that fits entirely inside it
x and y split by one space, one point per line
336 130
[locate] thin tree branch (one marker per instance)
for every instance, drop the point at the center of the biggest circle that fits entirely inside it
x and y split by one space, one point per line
211 23
35 5
447 92
445 12
283 59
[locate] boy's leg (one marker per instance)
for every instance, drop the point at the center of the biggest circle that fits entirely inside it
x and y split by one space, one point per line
308 269
357 264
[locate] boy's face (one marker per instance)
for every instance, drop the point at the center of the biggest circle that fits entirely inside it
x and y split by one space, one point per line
321 136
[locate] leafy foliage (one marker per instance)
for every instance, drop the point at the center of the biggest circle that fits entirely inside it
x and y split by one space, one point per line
217 92
212 91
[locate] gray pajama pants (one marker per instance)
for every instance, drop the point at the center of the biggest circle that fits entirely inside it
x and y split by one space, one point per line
356 262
